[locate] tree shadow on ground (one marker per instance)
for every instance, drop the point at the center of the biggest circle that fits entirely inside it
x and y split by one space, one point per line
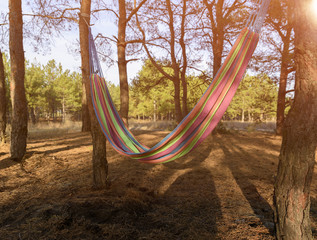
194 205
131 209
59 149
6 163
194 158
53 137
243 178
157 179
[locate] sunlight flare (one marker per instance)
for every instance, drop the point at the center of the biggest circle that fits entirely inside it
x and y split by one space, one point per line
314 6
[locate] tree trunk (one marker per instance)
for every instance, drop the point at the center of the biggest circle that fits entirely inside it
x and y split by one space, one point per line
64 110
249 116
218 38
184 98
283 82
32 115
122 63
19 105
297 157
85 111
53 114
99 158
85 116
178 110
184 55
3 102
154 115
175 65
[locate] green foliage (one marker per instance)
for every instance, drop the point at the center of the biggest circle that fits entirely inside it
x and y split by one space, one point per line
34 85
256 97
151 93
115 94
196 88
51 91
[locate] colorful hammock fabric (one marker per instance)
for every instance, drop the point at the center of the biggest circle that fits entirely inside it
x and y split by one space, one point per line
201 120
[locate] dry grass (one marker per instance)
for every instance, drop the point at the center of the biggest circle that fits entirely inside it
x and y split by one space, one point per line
49 129
222 190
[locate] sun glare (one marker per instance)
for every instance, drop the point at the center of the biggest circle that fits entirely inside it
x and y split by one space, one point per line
314 6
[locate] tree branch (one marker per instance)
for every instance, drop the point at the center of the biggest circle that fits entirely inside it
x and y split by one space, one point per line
132 60
158 66
106 9
51 17
289 91
135 9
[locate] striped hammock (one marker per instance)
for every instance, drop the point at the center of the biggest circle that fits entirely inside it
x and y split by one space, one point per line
201 120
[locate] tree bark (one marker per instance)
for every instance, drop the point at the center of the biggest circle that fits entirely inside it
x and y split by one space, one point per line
184 56
32 115
175 65
19 104
99 157
3 102
285 64
218 34
280 112
86 126
85 116
178 111
122 63
217 26
297 157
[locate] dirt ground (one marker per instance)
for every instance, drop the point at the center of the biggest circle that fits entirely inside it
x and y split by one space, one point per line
222 190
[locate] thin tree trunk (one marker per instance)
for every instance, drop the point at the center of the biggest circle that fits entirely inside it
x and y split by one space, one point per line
154 115
175 65
99 158
218 38
32 115
3 102
19 104
86 126
297 157
122 63
175 76
178 110
85 116
184 55
64 110
283 82
53 113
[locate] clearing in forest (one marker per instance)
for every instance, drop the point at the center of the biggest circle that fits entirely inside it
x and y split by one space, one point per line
221 190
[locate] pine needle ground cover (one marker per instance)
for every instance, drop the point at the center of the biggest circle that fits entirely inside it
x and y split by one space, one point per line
222 190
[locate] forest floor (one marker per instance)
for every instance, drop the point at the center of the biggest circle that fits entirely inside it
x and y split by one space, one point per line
221 190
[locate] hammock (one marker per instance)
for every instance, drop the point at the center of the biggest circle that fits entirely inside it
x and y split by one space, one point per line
201 120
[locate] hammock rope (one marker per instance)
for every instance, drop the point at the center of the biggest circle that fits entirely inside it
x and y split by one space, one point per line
199 122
